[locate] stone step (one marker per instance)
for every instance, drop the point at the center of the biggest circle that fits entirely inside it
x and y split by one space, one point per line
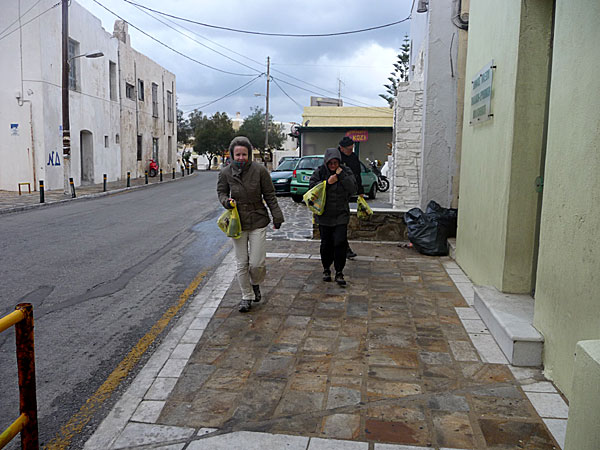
509 317
452 248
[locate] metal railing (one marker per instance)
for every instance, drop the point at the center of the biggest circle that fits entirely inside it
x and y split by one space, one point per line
26 423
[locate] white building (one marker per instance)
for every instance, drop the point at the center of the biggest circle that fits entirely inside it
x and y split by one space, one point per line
148 111
30 95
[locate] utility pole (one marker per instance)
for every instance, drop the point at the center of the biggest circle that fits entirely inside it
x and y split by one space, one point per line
65 97
267 111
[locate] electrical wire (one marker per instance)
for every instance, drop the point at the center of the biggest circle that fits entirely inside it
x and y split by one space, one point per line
171 48
194 40
20 17
29 21
287 95
204 105
260 33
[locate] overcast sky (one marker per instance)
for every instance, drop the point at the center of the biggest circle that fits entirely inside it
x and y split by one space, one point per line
361 61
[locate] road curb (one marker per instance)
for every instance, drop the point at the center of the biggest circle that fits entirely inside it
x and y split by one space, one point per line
95 195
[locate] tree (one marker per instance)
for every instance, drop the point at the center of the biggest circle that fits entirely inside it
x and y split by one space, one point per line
212 134
184 130
399 74
253 128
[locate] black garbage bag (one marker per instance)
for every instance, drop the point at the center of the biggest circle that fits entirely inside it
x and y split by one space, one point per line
425 233
446 217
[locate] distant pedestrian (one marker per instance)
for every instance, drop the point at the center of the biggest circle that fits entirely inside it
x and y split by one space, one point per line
333 223
349 158
246 184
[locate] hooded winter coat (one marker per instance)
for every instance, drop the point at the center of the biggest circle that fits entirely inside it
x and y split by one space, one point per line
337 197
248 186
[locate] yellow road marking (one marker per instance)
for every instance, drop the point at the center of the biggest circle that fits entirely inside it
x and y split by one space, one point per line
82 417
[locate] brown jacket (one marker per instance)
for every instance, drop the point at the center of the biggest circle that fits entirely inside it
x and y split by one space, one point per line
248 188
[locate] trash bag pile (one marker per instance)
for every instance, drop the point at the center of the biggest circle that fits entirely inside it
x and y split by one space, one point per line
230 224
363 210
315 198
429 231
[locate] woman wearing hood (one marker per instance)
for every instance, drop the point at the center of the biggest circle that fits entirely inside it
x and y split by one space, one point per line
246 184
333 223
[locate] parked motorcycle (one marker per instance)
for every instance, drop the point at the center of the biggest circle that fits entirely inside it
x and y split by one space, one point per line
382 182
152 168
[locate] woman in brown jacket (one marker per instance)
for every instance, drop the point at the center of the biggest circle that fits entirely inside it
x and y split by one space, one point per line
247 184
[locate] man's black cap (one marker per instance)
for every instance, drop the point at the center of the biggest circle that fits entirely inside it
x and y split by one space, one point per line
346 142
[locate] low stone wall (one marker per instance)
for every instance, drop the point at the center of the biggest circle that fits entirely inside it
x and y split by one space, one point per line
386 224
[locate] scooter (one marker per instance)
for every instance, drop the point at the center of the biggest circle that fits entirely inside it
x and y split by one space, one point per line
382 182
153 168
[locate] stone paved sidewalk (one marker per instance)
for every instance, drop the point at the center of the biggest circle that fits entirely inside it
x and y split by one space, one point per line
385 363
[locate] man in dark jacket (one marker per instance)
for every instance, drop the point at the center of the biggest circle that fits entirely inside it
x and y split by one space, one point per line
333 223
349 158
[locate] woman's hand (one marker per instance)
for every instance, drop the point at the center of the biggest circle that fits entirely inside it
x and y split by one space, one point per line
332 179
231 203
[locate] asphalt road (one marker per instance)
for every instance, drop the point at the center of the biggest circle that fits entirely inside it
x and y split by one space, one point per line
99 273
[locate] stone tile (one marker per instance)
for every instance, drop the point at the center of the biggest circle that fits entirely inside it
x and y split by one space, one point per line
313 364
206 409
192 336
227 379
488 349
191 382
391 389
275 366
500 433
502 407
304 425
486 373
432 344
160 389
290 335
453 430
148 411
394 413
502 391
393 373
400 447
448 402
527 374
341 426
298 402
342 396
467 313
137 434
397 432
249 440
334 444
351 368
200 323
541 386
311 382
549 405
474 326
558 429
183 351
172 368
399 358
318 345
349 382
435 358
463 351
205 431
259 400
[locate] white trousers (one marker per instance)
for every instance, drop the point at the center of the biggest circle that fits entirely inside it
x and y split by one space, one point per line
250 255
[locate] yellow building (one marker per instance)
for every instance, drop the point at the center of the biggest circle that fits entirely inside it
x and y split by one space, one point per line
324 126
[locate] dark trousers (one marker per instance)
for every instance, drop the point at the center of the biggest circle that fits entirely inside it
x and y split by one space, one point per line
333 246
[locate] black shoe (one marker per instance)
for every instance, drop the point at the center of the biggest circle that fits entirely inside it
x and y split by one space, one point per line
257 294
339 279
327 275
245 306
350 254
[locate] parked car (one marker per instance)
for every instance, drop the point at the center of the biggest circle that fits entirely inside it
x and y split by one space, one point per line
282 176
305 168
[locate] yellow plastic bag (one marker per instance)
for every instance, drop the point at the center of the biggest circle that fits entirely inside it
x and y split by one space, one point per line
315 198
363 210
230 224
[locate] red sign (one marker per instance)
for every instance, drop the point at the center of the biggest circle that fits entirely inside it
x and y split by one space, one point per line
358 135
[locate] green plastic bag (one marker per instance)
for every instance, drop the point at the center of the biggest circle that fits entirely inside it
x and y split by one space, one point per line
315 198
230 224
363 210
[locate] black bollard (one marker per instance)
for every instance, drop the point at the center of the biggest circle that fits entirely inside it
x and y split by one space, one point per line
146 175
173 172
192 168
73 195
128 179
104 183
182 171
42 199
160 172
187 169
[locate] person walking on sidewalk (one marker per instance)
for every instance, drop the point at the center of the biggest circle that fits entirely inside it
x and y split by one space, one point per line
333 223
349 158
246 184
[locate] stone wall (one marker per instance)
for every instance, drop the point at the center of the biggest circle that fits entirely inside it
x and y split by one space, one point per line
407 145
385 225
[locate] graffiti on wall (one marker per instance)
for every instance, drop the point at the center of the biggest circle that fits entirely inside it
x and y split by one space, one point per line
53 159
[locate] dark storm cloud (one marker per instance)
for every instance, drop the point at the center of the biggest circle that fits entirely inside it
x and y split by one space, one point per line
361 61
